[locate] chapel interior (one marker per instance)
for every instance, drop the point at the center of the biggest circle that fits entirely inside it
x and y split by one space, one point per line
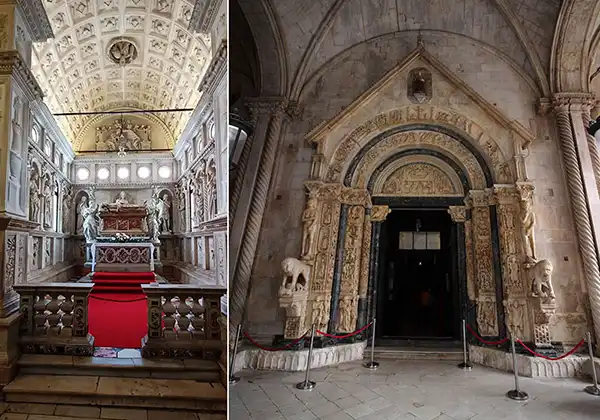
114 208
427 166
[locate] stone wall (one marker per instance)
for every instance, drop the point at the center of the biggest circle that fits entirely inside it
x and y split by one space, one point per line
507 88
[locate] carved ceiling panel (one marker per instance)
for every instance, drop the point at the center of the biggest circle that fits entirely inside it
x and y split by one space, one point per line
120 54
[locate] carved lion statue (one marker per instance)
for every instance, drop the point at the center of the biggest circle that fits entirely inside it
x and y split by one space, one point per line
298 271
540 275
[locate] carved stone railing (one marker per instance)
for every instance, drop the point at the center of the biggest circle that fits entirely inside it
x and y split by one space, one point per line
122 256
55 318
183 321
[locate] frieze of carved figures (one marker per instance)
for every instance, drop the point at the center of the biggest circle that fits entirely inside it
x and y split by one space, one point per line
515 317
363 280
482 241
9 270
293 295
487 321
527 218
352 249
320 312
347 313
355 197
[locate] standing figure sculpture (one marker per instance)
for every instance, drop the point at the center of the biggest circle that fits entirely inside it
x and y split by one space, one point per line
152 219
90 222
34 197
528 223
164 218
47 194
67 205
309 217
83 204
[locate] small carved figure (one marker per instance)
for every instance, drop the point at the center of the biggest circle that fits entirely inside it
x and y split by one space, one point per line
346 318
541 280
515 317
293 268
318 312
486 319
309 217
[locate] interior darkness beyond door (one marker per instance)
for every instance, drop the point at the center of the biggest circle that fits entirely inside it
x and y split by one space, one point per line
417 293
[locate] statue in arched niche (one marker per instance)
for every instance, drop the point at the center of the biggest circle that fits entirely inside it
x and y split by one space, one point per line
90 222
47 194
34 196
67 206
164 213
81 207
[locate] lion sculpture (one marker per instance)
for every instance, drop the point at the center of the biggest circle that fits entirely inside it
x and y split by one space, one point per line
541 280
298 271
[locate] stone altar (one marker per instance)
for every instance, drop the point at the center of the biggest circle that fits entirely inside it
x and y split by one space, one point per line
122 256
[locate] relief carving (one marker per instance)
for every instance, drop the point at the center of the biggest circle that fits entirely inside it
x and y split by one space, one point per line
352 248
9 269
379 213
320 312
515 317
482 242
123 134
347 314
487 320
418 180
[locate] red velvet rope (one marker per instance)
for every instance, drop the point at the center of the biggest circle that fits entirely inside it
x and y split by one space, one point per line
489 343
339 337
290 345
115 300
552 358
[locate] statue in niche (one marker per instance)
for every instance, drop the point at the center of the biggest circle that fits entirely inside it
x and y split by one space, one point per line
67 205
298 271
181 207
528 222
318 313
90 222
83 204
486 318
309 217
164 217
34 197
515 314
47 194
152 219
541 281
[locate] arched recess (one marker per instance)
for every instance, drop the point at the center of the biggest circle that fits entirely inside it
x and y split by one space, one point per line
351 194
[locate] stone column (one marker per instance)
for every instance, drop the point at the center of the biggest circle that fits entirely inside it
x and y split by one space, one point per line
18 89
485 285
459 215
240 283
576 168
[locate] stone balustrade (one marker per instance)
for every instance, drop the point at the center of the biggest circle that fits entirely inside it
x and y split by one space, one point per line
183 321
55 318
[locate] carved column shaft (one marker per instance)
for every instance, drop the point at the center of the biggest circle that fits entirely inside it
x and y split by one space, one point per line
580 212
593 147
241 279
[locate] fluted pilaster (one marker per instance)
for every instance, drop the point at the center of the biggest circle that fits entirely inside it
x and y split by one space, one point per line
580 210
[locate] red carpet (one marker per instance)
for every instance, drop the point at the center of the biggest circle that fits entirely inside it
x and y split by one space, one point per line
118 312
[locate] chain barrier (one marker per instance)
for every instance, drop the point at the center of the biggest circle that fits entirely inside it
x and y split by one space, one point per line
570 352
341 337
287 347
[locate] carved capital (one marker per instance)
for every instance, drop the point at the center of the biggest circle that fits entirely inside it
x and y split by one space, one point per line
458 213
479 198
355 197
505 194
572 101
379 213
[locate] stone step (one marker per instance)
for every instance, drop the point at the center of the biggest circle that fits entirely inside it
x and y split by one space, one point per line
410 353
41 364
107 392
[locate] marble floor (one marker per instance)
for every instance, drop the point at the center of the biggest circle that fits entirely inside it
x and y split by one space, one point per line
407 390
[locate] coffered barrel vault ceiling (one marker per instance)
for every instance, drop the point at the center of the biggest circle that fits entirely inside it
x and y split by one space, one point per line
77 73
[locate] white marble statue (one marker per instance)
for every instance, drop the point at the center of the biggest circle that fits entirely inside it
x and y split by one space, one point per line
34 198
67 205
152 219
83 204
164 218
47 194
541 280
122 200
90 222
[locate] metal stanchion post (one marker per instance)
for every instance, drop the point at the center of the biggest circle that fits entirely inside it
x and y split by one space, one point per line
372 364
516 394
592 389
307 384
465 365
234 379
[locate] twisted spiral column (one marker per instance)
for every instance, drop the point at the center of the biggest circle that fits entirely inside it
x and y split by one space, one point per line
243 269
593 148
236 187
580 212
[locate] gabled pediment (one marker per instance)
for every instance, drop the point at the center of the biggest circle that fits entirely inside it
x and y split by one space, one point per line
448 91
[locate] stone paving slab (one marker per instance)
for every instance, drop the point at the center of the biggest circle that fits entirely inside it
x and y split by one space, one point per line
407 390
